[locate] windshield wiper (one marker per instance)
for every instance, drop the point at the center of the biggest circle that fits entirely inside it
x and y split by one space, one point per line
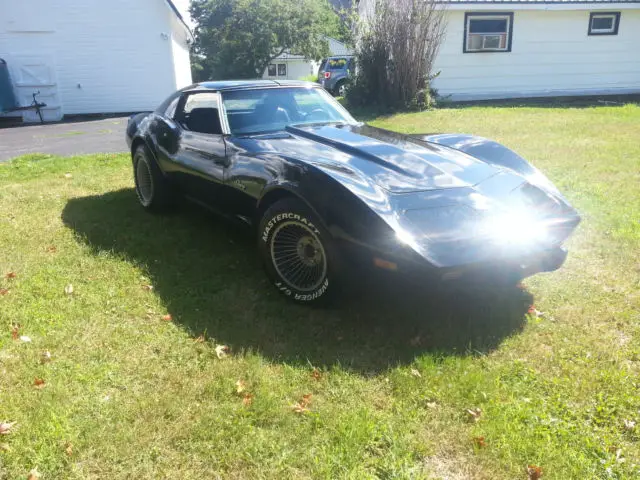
309 124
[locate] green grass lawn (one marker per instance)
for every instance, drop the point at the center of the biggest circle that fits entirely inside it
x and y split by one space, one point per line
130 393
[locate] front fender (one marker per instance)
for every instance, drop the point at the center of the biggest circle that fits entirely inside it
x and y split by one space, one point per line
488 151
351 208
492 153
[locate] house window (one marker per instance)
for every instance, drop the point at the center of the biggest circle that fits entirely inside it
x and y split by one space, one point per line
282 69
487 32
271 70
604 23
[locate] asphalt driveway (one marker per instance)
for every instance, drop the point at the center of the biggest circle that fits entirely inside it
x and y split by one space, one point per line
72 138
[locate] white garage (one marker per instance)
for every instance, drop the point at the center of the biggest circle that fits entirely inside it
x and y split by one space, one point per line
92 56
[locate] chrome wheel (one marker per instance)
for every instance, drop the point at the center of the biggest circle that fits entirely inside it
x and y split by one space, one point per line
144 181
342 89
298 256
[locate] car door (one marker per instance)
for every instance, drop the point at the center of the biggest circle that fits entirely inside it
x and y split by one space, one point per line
193 148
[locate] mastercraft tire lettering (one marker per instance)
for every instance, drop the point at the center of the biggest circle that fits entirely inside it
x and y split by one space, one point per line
297 251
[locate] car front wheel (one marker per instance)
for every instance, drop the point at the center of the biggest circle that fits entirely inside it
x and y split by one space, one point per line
297 252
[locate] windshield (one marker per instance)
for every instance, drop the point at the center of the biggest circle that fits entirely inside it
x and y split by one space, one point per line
271 109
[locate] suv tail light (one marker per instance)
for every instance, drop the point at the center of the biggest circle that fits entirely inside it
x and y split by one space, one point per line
327 74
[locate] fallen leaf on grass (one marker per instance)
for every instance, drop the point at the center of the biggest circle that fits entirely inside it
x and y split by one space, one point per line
474 414
432 404
479 442
15 332
247 399
68 289
34 474
68 175
415 373
148 288
199 339
25 339
52 249
240 386
222 351
38 382
629 425
69 449
10 275
619 457
4 447
534 472
315 374
5 427
302 405
4 291
45 357
535 312
167 317
299 408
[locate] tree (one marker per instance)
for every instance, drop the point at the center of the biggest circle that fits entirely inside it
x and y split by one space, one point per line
395 52
239 38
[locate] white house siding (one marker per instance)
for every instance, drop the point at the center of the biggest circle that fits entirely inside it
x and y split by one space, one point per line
297 67
338 48
90 56
551 55
180 51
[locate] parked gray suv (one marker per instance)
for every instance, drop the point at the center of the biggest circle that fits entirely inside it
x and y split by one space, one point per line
334 73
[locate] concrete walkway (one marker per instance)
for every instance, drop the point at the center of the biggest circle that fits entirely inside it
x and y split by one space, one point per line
72 138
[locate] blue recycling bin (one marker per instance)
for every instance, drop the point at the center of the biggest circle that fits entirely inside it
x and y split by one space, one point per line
7 96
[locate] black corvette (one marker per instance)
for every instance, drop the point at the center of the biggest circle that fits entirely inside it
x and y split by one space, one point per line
326 192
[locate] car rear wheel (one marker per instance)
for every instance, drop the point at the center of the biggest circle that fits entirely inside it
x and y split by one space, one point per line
152 189
341 89
298 252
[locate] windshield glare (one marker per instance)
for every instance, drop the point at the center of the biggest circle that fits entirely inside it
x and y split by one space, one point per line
272 109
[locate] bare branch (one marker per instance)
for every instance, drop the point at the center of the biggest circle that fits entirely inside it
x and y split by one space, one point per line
397 48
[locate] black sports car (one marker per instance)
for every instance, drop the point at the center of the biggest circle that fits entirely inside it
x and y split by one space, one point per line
325 191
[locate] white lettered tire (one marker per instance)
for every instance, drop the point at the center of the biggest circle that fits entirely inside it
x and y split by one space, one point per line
298 252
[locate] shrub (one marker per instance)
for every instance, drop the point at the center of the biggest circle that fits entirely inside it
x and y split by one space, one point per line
394 54
310 78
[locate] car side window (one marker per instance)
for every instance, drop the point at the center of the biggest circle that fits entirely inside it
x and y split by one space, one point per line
200 113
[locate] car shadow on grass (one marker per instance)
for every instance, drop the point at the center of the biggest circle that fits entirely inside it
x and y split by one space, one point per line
207 272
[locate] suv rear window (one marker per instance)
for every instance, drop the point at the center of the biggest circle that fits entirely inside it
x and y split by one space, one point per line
335 64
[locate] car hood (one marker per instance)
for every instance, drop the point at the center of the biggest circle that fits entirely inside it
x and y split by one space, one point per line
392 161
438 200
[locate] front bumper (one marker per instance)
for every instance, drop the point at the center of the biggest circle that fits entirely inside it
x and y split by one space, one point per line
507 270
